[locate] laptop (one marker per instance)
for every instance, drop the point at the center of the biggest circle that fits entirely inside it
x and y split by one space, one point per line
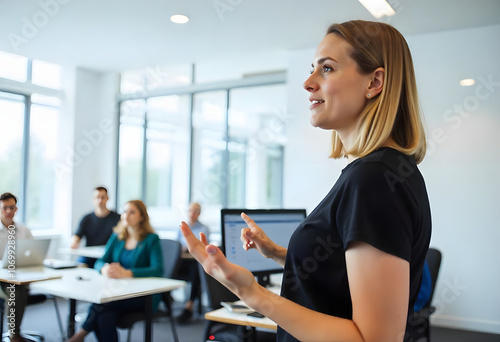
27 253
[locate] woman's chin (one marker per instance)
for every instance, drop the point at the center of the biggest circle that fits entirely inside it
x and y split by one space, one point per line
318 124
314 121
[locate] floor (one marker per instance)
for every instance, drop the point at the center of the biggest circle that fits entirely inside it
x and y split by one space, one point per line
42 317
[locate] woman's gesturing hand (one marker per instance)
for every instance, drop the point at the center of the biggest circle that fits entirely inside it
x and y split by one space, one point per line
254 237
236 278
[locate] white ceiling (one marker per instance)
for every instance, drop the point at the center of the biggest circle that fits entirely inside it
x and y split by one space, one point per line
129 34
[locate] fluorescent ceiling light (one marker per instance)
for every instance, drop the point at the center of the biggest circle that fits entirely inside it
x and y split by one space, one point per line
378 8
179 19
467 82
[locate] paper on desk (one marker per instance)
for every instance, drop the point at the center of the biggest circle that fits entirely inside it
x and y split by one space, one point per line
237 307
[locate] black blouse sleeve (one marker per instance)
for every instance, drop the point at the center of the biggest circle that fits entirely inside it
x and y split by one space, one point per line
376 210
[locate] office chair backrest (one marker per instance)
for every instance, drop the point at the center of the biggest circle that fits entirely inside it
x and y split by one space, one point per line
216 292
171 250
434 261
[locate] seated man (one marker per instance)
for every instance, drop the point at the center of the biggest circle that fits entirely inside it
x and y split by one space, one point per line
189 268
96 226
8 208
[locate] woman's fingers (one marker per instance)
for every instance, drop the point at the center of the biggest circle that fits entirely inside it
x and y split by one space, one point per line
203 238
219 267
247 243
195 246
250 223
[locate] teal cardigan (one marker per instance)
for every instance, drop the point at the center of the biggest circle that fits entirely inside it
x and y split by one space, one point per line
147 260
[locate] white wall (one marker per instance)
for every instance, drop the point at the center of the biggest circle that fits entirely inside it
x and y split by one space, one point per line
96 124
87 148
461 169
308 172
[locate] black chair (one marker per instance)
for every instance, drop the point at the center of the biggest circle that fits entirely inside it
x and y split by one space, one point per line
222 332
421 324
171 251
32 336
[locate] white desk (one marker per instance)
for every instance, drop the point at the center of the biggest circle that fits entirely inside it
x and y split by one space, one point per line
88 285
90 252
27 275
224 316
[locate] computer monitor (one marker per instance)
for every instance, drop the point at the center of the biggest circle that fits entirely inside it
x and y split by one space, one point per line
278 224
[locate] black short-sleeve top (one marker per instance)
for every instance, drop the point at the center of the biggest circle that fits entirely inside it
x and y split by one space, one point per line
380 199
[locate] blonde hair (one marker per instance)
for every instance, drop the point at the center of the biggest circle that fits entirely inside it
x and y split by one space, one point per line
395 112
145 227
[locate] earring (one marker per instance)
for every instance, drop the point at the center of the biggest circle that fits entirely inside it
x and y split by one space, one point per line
369 95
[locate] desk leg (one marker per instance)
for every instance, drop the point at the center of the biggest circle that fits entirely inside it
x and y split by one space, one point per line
71 317
149 318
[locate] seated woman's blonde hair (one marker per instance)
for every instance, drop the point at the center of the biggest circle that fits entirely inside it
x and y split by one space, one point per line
395 112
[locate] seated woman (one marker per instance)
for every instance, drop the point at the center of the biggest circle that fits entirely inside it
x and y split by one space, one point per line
133 250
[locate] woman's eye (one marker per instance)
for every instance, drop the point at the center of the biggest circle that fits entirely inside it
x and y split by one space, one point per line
326 68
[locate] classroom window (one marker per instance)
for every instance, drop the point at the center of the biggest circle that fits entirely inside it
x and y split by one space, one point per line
12 110
256 118
132 126
167 157
44 120
209 146
30 127
221 147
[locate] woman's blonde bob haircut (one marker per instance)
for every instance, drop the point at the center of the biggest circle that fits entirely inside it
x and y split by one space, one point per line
395 112
145 227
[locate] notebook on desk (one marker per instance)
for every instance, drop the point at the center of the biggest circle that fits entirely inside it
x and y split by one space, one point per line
27 253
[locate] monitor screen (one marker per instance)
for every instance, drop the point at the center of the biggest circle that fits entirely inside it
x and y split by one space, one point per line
278 224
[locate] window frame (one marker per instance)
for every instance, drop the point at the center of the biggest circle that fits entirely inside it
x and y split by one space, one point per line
191 91
27 89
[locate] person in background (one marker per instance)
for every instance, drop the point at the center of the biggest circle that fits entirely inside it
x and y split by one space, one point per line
8 208
134 250
97 226
352 268
189 267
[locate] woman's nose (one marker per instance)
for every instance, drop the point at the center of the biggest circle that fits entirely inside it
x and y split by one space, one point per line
310 85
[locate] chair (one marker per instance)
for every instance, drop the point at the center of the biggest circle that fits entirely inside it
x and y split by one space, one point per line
171 251
26 334
216 293
421 323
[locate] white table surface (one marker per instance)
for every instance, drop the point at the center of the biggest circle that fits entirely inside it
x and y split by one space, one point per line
225 316
88 285
26 275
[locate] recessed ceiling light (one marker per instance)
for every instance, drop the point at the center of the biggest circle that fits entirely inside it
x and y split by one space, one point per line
179 19
467 82
378 8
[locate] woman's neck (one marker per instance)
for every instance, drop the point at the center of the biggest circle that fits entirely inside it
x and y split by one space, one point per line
389 142
132 232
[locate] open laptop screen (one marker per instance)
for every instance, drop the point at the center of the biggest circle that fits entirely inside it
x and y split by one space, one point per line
26 253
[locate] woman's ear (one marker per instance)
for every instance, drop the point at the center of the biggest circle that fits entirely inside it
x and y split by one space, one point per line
376 83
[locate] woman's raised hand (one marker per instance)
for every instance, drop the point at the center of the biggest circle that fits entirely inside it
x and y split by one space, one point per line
236 278
254 237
